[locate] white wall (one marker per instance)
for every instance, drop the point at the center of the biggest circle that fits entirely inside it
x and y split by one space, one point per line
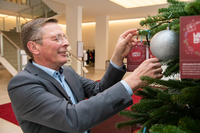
63 27
88 36
116 28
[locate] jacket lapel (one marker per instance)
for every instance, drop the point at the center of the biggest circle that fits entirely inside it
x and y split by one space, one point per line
72 82
40 73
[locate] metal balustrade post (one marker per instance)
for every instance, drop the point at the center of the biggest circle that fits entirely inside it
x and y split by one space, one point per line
18 27
24 59
18 60
1 41
19 24
4 27
83 69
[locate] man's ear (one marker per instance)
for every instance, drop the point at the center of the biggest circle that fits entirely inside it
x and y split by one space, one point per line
33 47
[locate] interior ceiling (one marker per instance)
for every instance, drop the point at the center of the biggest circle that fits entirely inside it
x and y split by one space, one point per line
93 8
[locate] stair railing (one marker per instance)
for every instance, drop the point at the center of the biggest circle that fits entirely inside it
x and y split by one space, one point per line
22 2
28 13
21 55
83 69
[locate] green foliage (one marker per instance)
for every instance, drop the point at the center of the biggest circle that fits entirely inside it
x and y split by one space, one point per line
146 105
148 92
160 128
193 8
171 15
190 125
172 67
189 95
170 106
127 124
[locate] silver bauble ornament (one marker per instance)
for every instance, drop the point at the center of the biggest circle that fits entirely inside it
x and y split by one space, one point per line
165 45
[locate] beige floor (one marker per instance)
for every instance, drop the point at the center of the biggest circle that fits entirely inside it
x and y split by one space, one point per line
5 76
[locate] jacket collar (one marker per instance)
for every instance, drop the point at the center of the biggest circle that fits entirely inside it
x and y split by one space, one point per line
42 74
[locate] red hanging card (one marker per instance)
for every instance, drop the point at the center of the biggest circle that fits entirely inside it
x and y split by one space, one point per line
190 47
136 56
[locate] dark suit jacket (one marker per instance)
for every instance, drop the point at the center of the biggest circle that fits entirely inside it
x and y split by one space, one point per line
41 105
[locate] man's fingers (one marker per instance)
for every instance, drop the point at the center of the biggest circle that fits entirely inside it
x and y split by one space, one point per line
158 70
131 31
154 60
159 75
127 38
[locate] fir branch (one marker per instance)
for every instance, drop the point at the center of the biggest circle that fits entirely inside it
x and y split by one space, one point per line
176 28
162 110
142 32
174 61
148 92
176 21
197 110
152 91
170 118
190 95
132 115
172 69
165 97
190 125
175 84
126 124
160 128
148 124
144 94
146 105
193 8
174 2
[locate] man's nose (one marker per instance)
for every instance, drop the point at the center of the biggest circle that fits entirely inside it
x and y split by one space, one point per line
65 42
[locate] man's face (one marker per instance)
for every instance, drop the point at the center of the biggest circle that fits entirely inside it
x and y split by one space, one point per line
52 53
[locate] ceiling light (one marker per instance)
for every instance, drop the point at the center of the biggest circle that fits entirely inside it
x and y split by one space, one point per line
3 15
140 3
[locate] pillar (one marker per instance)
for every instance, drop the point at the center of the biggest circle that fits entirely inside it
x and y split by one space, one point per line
74 32
101 41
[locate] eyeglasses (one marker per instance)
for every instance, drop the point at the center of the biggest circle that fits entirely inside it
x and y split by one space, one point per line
58 38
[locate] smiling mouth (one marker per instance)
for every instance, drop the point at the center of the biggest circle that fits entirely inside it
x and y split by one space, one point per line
62 52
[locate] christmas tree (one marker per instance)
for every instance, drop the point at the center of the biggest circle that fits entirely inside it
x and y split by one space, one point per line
167 106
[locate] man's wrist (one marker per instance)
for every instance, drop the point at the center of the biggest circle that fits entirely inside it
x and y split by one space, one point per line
117 60
128 88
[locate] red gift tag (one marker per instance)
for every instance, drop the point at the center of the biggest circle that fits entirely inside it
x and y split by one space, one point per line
190 47
136 56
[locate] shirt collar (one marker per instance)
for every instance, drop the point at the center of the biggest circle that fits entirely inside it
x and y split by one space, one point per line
48 70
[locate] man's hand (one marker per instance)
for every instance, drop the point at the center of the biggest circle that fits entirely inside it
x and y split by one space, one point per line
150 67
124 45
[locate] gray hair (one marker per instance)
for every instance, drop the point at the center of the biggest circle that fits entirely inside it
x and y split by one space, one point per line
34 30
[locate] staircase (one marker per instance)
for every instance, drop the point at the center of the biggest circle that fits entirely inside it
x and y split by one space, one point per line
12 55
10 48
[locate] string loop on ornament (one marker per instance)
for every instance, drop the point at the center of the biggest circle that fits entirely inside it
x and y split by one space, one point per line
169 22
147 37
144 130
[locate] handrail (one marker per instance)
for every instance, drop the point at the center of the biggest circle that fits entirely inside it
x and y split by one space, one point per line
84 69
13 44
29 8
23 17
10 41
75 57
22 11
19 14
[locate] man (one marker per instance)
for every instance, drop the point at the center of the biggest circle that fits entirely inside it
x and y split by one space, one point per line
48 97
